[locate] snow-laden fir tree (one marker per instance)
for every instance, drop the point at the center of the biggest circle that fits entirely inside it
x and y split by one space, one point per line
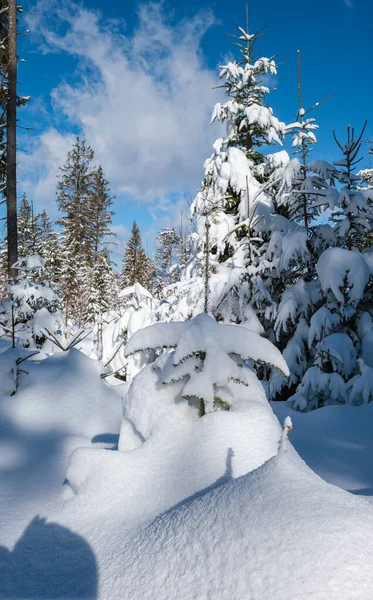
286 289
233 195
100 212
32 306
136 265
99 273
73 199
167 269
202 366
339 324
354 218
83 194
27 227
47 244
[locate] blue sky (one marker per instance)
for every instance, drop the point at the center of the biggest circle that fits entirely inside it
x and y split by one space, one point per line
136 80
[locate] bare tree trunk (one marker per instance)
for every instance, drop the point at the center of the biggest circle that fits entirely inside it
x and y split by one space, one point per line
11 158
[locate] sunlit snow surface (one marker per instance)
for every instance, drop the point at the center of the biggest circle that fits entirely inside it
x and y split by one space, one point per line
202 510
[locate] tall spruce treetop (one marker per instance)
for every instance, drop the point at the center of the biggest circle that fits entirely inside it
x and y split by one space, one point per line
73 195
47 243
354 219
136 266
27 228
73 198
100 212
234 172
167 271
234 197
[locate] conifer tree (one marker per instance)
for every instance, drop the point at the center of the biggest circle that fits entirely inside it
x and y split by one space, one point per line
74 191
99 272
136 266
100 213
167 271
47 244
234 196
27 228
33 306
354 217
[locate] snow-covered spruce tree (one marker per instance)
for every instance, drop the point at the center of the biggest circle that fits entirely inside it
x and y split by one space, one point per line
99 210
288 293
99 266
97 293
33 305
211 366
340 324
73 198
354 218
27 228
233 195
167 269
47 244
136 265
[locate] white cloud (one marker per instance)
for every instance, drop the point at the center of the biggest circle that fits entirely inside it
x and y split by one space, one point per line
119 242
348 3
143 102
40 166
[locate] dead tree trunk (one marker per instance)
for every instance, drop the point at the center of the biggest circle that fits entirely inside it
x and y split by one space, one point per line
11 158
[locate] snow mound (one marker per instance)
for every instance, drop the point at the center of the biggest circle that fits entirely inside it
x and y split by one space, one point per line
278 532
65 393
173 464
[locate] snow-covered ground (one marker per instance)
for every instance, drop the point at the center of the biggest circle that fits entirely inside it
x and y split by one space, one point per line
336 442
203 509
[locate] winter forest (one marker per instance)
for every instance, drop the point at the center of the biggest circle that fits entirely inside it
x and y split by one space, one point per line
186 406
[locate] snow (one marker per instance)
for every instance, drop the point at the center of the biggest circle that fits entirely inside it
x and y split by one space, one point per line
245 539
188 507
29 263
336 442
203 333
337 350
61 403
173 464
137 290
336 266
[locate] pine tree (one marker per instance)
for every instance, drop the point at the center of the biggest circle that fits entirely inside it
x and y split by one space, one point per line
136 266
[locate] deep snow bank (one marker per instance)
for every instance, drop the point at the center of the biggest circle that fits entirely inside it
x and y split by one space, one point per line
175 463
278 532
60 405
336 442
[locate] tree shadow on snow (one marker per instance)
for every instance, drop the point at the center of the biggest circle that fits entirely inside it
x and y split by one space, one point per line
48 562
227 476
